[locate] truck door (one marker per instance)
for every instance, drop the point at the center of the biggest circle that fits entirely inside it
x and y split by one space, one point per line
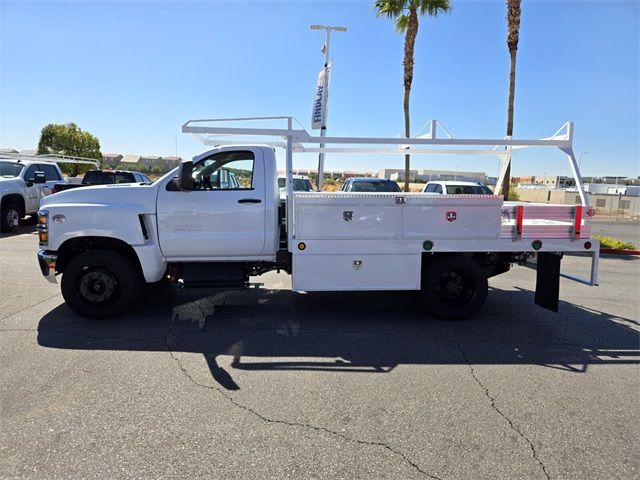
52 178
33 192
217 220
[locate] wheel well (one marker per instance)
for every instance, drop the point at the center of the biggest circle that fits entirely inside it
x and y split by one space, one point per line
16 199
75 246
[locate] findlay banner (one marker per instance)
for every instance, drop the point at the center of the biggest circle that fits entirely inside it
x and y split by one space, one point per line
319 110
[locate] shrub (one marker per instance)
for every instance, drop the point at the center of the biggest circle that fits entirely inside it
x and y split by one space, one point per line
614 243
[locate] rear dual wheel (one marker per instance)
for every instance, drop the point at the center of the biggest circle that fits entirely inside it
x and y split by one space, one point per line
453 287
100 284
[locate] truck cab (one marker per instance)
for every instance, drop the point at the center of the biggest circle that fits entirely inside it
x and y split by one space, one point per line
212 222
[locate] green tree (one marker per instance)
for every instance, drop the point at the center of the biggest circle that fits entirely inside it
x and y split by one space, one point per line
406 14
69 139
513 35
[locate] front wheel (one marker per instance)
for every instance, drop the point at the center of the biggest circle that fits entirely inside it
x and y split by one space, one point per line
11 216
100 284
453 287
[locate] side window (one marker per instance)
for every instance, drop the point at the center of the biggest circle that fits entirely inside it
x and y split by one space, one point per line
50 172
144 178
438 189
30 174
225 171
123 178
431 188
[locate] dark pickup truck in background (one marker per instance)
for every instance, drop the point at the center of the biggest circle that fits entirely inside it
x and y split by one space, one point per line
104 177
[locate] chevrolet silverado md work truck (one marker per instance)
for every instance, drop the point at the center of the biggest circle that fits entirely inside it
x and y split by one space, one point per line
191 227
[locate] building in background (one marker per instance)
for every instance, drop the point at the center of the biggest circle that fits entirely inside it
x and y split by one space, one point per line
608 200
111 159
130 161
552 181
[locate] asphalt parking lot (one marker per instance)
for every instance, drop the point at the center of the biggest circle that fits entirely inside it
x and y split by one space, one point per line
267 383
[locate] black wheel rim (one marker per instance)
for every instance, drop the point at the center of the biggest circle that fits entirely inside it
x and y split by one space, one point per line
456 288
97 286
13 216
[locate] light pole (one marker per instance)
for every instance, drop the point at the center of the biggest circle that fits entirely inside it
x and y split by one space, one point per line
327 60
580 159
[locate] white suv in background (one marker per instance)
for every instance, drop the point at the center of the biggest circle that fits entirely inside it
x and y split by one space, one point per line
456 188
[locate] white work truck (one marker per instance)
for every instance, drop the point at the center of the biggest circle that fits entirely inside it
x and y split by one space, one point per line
107 241
24 181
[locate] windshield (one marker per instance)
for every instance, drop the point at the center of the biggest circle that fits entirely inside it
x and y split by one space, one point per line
384 186
468 190
10 169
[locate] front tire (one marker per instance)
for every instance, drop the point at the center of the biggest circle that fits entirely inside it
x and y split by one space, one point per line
11 216
453 287
100 284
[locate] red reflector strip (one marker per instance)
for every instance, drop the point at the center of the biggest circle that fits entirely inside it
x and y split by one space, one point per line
577 221
519 219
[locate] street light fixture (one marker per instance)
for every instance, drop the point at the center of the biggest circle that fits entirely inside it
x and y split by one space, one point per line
323 127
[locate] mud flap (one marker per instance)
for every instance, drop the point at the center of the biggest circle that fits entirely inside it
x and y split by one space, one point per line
548 280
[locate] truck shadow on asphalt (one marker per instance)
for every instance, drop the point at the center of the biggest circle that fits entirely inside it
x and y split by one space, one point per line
282 330
27 227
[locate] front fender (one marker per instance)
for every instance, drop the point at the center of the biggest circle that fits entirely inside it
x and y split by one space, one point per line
120 221
117 222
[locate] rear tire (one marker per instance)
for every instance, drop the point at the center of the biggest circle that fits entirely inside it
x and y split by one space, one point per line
10 215
100 284
453 287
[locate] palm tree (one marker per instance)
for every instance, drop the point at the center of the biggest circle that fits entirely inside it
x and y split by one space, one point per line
406 14
513 35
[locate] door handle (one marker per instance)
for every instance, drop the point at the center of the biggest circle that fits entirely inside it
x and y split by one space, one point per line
249 200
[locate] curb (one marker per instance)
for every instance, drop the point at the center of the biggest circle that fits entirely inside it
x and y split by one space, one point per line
619 252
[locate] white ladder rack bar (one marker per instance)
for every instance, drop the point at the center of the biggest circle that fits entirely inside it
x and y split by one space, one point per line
297 138
51 157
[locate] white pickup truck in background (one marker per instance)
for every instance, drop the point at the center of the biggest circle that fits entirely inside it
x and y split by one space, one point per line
24 181
107 241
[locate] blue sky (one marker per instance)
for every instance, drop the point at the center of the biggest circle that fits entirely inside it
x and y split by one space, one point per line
132 73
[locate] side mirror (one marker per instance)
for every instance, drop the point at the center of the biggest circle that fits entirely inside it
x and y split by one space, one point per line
39 177
184 182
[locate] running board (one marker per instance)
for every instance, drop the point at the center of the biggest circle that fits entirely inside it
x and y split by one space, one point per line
215 275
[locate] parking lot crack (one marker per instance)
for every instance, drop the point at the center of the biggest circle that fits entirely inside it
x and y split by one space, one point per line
512 425
307 426
30 306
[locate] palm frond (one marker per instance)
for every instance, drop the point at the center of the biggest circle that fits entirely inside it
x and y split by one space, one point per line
389 8
401 23
432 7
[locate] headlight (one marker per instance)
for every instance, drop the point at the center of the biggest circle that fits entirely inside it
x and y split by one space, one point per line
43 227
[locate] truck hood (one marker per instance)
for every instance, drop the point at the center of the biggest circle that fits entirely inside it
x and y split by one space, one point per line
142 196
4 181
12 185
